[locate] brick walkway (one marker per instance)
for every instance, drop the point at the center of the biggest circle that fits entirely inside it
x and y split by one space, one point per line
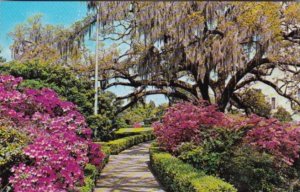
128 171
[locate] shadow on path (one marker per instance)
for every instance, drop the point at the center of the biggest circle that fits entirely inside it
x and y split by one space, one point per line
128 171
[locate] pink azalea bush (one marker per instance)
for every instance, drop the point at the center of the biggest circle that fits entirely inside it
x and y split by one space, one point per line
275 137
182 123
60 144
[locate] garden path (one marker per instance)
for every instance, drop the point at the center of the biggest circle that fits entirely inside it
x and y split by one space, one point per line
129 172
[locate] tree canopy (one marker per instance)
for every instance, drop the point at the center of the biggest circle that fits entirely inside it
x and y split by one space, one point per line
207 50
254 101
34 40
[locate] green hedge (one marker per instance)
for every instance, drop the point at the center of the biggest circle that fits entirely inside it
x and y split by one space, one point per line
118 145
91 172
125 132
177 176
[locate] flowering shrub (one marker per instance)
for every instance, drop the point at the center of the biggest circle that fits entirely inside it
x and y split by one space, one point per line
137 125
60 141
253 153
183 122
186 122
274 137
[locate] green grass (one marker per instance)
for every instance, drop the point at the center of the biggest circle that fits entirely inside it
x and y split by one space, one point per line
134 130
125 132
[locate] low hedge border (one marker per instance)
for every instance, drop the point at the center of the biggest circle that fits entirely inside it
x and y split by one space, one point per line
118 145
91 172
177 176
126 132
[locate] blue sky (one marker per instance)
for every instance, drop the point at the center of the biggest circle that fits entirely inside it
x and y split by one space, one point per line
58 13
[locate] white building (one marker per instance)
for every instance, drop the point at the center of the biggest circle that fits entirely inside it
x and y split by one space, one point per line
274 98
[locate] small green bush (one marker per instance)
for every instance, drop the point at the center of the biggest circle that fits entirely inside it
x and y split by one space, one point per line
253 171
282 115
90 174
11 144
178 176
101 126
214 152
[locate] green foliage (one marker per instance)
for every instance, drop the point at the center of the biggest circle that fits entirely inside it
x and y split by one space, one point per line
104 123
250 170
108 104
118 145
11 145
184 148
72 87
59 78
282 115
90 174
255 102
147 113
215 150
178 176
101 126
125 132
106 150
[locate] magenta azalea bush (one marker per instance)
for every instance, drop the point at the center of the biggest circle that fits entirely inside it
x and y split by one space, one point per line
60 141
183 122
279 139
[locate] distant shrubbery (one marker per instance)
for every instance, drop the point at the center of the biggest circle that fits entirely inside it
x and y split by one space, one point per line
146 113
282 115
255 102
253 153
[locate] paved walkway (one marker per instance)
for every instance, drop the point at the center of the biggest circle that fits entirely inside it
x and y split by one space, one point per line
128 171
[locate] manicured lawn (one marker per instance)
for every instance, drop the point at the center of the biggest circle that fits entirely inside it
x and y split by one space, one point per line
134 130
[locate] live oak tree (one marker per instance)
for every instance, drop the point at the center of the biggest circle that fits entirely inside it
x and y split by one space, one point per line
34 40
198 50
